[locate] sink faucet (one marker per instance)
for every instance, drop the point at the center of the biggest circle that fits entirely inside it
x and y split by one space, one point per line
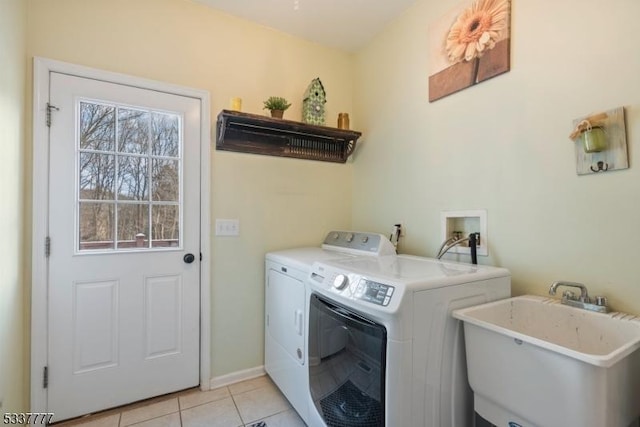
599 304
584 294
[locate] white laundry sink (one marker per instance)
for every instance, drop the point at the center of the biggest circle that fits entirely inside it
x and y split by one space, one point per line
534 362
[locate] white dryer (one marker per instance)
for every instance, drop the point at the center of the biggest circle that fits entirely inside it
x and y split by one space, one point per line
397 355
286 300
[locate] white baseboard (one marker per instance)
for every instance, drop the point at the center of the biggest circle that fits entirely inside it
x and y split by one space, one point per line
238 376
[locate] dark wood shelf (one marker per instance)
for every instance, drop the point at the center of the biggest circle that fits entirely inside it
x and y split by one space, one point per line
252 133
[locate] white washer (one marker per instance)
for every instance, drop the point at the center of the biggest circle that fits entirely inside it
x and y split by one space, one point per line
401 361
286 300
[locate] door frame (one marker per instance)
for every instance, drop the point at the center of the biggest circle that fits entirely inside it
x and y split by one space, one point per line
42 67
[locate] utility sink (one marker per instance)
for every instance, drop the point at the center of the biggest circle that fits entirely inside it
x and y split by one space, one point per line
533 362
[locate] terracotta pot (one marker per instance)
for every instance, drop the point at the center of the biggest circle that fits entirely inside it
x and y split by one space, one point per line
277 113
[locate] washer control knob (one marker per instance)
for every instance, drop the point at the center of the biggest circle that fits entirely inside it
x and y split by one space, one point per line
340 282
335 236
350 237
365 239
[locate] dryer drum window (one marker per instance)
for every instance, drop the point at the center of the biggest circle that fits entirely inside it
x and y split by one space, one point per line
347 354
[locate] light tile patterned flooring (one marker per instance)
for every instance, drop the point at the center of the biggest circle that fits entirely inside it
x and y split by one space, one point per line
247 403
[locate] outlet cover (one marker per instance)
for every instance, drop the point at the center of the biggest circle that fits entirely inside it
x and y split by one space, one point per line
227 227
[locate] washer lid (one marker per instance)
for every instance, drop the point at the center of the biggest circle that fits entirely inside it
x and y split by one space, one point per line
410 269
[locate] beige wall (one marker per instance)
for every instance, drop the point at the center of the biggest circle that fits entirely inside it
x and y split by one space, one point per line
503 145
281 203
13 358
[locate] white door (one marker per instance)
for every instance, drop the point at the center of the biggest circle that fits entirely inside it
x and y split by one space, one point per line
124 264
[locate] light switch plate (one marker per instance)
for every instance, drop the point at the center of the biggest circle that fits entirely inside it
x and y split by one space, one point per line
227 227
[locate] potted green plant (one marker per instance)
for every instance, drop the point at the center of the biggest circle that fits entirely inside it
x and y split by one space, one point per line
277 105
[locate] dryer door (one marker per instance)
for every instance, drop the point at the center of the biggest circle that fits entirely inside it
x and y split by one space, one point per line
285 302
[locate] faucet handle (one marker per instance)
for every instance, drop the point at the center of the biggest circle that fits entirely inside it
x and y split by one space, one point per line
601 300
569 295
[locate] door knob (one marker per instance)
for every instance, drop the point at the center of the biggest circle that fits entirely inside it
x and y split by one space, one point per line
189 258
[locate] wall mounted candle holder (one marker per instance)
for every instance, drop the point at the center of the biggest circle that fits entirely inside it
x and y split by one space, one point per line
600 142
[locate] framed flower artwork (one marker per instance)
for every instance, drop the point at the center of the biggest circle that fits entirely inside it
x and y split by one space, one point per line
468 45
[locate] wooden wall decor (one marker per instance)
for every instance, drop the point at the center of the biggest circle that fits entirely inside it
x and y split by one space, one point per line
612 155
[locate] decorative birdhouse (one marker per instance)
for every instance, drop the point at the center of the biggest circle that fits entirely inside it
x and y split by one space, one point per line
313 103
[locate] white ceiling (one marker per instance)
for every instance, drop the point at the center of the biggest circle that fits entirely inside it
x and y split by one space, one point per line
342 24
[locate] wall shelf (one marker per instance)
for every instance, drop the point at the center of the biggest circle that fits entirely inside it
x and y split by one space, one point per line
252 133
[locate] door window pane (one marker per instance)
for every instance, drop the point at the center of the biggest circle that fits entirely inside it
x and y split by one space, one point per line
165 226
97 173
133 131
166 180
131 158
133 225
97 126
133 178
96 226
165 134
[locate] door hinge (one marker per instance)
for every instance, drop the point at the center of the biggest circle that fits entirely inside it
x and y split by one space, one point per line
49 109
47 246
45 377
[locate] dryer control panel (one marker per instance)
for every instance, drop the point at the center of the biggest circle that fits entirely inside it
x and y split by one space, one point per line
358 243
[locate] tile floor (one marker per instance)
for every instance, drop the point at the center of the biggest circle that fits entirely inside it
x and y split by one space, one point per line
256 402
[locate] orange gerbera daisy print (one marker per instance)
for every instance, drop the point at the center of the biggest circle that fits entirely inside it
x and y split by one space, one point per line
477 29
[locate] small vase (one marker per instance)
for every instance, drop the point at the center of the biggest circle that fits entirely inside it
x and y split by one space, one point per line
277 113
343 121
